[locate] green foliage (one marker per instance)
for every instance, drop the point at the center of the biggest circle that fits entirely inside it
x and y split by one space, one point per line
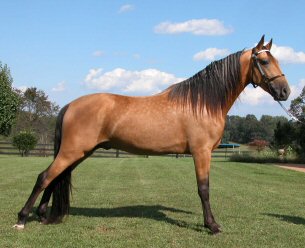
225 138
284 135
9 101
297 106
25 142
38 114
292 134
266 156
243 130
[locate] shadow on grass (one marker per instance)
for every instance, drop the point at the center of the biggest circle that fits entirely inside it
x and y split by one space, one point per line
288 218
154 212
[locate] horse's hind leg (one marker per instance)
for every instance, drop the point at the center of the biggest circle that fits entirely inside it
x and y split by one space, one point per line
42 208
61 163
202 164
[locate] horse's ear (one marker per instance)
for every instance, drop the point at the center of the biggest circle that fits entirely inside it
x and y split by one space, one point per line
260 44
269 45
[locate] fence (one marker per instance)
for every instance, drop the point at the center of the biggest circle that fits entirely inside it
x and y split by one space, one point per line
46 150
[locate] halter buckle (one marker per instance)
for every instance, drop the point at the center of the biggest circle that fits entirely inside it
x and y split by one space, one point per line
254 85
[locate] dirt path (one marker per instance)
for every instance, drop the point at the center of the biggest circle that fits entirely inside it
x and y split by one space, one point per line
296 167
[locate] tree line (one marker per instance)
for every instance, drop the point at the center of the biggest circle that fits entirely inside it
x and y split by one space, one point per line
243 130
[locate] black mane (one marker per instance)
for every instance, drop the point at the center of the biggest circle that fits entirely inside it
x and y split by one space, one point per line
211 88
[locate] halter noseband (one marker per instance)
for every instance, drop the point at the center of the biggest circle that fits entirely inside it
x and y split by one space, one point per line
265 78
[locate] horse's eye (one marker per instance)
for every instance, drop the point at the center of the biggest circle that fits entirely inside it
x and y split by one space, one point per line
263 62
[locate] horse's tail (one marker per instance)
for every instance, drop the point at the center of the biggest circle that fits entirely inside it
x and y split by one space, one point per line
61 185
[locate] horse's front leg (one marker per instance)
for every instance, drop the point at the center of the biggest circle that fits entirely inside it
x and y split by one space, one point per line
24 213
202 161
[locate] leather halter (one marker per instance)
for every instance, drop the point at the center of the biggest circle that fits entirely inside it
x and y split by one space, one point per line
265 79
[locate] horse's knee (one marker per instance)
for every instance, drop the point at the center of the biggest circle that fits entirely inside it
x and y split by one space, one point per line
40 180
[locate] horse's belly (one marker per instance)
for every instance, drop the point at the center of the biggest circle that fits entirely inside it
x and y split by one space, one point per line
148 140
148 149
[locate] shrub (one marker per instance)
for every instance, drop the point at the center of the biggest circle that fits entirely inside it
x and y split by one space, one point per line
259 144
266 156
25 142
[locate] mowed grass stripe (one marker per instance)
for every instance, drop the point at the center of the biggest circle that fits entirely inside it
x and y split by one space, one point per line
140 202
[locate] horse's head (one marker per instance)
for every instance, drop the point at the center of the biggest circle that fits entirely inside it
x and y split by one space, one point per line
267 73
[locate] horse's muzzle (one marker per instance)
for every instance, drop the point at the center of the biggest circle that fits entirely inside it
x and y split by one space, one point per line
280 93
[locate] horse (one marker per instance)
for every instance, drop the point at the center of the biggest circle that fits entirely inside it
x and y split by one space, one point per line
186 118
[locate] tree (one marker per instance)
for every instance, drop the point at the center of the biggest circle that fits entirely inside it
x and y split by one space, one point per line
9 101
292 133
284 135
25 142
252 129
268 124
235 129
37 114
297 106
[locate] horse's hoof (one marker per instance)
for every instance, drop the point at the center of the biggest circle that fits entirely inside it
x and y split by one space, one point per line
215 231
43 222
214 228
18 226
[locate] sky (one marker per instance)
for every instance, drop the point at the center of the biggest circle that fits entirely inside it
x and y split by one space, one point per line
73 48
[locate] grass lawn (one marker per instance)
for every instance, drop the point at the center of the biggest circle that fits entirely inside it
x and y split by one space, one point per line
139 202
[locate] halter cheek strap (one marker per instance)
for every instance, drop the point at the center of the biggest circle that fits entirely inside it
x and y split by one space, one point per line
265 78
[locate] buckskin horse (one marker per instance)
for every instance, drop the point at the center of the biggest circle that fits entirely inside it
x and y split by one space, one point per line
186 118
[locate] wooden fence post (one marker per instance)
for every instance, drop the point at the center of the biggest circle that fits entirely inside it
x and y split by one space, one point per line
117 153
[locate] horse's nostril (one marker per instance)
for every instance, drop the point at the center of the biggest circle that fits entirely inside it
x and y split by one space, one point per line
284 93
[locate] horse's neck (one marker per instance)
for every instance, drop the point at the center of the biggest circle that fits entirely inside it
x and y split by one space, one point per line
244 80
231 102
